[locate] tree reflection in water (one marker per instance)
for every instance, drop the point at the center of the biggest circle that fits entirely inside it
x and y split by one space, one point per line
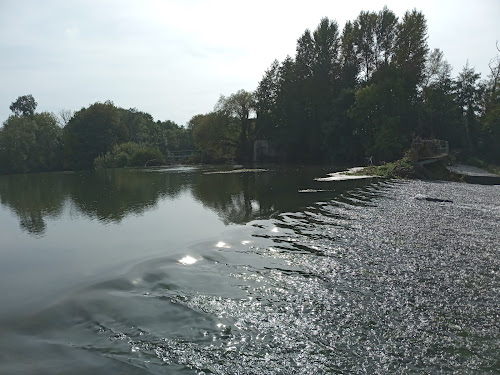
33 198
111 195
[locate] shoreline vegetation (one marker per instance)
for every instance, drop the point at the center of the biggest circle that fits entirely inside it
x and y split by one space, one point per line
445 169
363 92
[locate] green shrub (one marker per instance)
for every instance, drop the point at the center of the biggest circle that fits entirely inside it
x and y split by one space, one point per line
130 154
402 168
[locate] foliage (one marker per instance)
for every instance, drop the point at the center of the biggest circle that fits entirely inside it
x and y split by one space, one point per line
378 114
94 132
130 154
410 50
469 92
177 137
490 136
63 117
442 116
34 142
91 132
166 136
402 168
216 135
294 99
364 91
349 95
239 106
24 106
372 89
30 144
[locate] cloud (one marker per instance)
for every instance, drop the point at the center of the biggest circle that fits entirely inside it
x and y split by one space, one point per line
72 32
173 58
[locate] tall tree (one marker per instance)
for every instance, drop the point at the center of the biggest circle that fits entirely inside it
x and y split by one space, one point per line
326 83
216 135
63 117
375 39
265 101
411 49
365 26
287 109
305 55
24 105
437 69
469 93
30 144
175 137
348 58
441 117
239 105
385 36
491 117
327 50
92 132
139 127
492 94
377 116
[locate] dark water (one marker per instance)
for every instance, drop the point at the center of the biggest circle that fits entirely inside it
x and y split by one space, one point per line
185 271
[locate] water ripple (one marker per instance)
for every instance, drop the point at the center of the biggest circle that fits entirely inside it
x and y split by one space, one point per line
373 282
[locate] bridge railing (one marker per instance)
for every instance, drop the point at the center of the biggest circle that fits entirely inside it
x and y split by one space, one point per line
183 154
430 148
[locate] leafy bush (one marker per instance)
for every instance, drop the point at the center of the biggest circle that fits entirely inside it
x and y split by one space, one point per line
402 168
30 143
130 154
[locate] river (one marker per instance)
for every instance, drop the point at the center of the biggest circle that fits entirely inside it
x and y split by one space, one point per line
204 270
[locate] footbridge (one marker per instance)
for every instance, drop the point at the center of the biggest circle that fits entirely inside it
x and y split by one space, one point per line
182 155
430 150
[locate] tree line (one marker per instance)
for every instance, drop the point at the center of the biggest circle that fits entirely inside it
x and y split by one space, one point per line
364 91
371 88
102 136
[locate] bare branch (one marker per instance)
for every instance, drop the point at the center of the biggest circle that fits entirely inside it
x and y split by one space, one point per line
64 116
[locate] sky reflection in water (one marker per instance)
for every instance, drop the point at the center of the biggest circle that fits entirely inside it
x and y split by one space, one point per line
363 279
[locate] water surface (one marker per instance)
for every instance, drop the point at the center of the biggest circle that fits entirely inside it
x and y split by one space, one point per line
182 270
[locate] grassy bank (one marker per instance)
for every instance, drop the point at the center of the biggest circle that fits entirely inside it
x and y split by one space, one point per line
409 168
403 168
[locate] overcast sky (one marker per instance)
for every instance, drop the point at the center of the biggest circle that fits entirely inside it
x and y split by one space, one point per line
173 58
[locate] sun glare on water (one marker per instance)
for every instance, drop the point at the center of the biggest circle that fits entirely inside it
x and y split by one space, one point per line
188 260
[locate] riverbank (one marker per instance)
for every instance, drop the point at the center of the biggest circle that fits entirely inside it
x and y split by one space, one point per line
442 169
472 174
